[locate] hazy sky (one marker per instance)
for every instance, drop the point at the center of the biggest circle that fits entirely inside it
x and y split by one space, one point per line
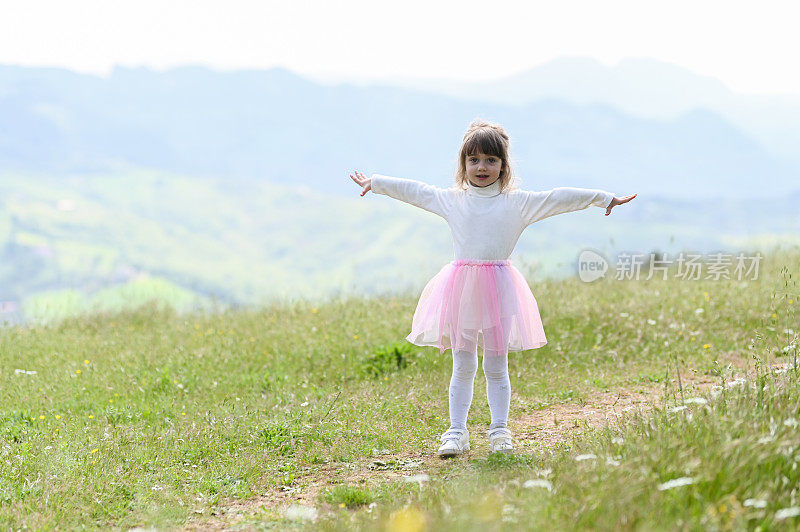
751 46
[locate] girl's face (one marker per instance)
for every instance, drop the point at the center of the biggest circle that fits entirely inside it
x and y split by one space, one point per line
482 169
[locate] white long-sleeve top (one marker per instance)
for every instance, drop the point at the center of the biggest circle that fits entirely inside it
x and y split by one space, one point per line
485 223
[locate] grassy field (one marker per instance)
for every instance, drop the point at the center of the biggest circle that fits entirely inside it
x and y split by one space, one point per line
322 416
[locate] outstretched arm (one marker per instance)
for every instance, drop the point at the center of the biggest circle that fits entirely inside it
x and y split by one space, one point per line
539 205
417 193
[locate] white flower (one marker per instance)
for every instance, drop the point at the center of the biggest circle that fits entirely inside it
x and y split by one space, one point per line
617 440
675 483
422 477
755 503
538 483
544 472
371 506
677 408
304 403
610 461
582 457
696 400
623 314
157 488
791 422
783 513
24 372
298 512
699 311
651 322
766 439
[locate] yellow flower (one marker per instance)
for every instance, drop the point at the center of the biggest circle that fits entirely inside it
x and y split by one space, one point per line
355 336
313 310
791 301
183 413
341 505
94 451
85 361
58 417
94 461
386 378
41 417
406 520
774 315
91 416
77 371
110 400
57 430
116 395
706 346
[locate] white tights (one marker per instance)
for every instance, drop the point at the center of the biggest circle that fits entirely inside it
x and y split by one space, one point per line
498 385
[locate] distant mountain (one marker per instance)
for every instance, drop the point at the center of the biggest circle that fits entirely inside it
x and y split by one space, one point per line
643 87
275 126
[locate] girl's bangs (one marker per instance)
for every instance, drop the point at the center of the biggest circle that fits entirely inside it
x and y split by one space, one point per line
483 141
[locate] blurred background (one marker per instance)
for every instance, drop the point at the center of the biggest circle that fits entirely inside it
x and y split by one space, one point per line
198 153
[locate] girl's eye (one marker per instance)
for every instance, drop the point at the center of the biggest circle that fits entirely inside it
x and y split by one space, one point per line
491 159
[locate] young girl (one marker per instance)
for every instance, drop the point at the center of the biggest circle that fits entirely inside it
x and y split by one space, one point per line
480 299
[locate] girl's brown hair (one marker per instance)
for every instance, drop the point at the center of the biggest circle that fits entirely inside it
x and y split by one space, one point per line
491 139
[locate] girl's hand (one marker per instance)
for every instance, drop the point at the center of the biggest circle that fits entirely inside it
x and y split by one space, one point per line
362 180
618 201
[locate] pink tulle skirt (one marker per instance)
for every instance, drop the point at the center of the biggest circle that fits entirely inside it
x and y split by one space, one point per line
472 303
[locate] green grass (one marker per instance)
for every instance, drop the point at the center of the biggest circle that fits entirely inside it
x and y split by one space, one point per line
146 417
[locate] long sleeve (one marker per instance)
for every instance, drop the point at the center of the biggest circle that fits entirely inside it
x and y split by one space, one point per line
539 205
422 195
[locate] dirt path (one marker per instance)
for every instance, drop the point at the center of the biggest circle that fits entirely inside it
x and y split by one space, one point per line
546 427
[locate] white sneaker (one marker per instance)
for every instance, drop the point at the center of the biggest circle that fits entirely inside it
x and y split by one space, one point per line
500 440
454 442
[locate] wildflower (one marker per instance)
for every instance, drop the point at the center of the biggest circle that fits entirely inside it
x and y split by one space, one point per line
422 477
408 519
41 417
91 416
623 314
651 322
183 413
341 505
314 310
677 408
617 440
78 371
59 417
25 372
85 361
116 395
675 483
699 311
774 315
538 483
157 488
355 337
696 400
791 422
706 346
783 513
755 503
94 461
299 512
582 457
94 451
611 461
110 400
